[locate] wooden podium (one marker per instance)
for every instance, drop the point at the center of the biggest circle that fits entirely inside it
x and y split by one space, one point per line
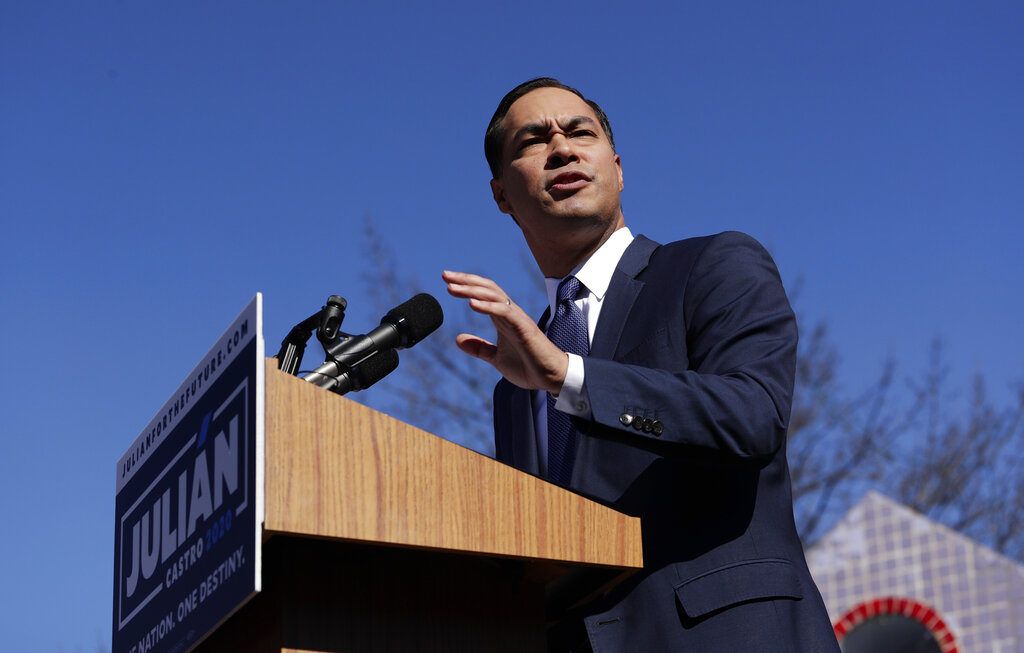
381 537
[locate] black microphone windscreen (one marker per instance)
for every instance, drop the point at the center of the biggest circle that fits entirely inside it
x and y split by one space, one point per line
377 367
416 318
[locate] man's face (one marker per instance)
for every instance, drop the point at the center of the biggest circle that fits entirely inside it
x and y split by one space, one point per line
558 167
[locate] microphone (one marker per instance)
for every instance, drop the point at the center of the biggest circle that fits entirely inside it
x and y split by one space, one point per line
370 371
402 327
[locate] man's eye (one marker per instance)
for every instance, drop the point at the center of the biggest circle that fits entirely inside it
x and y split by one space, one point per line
582 132
530 141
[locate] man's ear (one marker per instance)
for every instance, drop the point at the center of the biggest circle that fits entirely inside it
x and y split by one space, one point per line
498 191
618 165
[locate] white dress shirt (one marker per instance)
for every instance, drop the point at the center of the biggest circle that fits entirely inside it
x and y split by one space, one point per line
595 274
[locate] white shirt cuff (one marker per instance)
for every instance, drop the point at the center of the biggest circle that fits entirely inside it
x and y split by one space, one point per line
572 398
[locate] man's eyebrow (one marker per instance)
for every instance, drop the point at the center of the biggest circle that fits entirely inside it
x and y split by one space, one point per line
538 128
576 121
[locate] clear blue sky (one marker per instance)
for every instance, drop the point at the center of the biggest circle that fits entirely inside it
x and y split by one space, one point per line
161 162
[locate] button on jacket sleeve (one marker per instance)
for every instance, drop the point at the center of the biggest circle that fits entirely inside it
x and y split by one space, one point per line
740 334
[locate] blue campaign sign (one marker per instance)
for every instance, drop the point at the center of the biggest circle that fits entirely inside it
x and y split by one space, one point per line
189 504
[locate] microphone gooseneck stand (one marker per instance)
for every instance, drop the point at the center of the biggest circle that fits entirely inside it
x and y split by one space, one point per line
355 362
327 324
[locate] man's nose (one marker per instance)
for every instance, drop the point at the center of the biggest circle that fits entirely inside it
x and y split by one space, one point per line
562 151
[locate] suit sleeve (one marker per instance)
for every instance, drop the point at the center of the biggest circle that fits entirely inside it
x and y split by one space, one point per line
741 338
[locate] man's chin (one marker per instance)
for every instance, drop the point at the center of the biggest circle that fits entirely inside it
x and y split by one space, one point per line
582 208
580 218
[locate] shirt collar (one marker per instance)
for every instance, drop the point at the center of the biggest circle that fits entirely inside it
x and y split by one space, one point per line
596 272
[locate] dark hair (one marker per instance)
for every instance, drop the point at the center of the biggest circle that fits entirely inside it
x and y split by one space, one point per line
495 133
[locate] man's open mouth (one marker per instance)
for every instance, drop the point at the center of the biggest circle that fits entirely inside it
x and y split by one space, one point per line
569 181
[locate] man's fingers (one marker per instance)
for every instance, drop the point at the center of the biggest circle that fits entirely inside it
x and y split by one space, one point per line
476 292
476 346
470 280
499 309
467 278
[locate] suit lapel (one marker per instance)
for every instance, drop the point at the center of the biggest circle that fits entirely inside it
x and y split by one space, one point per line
622 293
525 454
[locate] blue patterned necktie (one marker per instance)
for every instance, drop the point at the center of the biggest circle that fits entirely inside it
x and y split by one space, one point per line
568 330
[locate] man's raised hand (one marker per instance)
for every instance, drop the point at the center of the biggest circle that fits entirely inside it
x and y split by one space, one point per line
522 353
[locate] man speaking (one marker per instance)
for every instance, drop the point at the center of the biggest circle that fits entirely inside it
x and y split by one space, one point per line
659 381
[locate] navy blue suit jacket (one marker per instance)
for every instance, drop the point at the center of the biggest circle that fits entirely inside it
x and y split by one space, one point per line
699 336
